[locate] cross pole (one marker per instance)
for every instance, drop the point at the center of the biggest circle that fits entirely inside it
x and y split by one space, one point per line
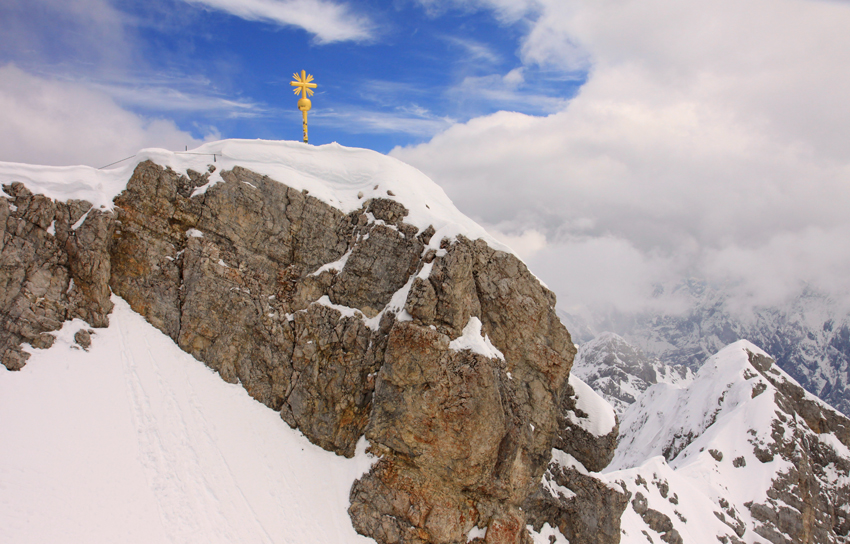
304 87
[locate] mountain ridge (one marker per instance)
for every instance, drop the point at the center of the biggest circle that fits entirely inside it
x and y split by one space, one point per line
809 335
744 435
353 299
349 295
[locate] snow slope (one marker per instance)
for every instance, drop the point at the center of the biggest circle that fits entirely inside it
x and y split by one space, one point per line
136 441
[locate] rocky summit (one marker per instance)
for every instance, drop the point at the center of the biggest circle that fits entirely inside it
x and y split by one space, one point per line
352 301
342 289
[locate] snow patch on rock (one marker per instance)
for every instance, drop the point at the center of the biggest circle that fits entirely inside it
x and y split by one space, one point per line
473 340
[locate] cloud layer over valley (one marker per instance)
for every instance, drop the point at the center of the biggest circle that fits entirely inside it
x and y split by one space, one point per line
710 140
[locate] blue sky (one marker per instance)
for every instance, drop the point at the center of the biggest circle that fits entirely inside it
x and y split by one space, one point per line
616 145
397 74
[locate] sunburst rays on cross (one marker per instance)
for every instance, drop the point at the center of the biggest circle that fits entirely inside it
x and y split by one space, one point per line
303 84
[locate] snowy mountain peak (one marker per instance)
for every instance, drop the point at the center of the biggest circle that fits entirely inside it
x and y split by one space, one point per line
621 372
771 459
724 382
342 177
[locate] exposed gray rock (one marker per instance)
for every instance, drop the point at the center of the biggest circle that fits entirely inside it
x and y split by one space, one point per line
83 338
804 504
594 452
226 274
50 271
378 267
591 515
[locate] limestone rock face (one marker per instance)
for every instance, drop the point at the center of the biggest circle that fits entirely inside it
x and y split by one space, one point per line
348 324
590 514
592 451
482 427
226 274
583 506
54 266
803 503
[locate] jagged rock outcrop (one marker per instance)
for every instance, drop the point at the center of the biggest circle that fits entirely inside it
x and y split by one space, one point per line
54 266
804 503
444 352
571 496
584 508
231 276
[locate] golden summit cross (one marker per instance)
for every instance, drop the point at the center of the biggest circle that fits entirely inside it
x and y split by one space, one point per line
303 86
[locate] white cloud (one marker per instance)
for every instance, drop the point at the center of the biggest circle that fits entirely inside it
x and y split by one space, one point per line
52 122
328 21
497 91
172 95
475 51
507 10
55 31
710 137
514 77
412 120
605 273
526 244
815 258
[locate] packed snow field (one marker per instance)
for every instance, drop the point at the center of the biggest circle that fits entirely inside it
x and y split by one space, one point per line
136 441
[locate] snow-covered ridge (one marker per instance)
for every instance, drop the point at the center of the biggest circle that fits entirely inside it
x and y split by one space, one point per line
342 177
737 443
600 419
667 419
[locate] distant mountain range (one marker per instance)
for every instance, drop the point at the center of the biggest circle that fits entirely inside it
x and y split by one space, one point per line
809 336
621 372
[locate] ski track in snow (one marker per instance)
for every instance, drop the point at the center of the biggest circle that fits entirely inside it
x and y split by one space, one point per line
137 442
188 505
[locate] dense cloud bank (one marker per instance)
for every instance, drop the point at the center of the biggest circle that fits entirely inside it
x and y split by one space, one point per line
710 140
